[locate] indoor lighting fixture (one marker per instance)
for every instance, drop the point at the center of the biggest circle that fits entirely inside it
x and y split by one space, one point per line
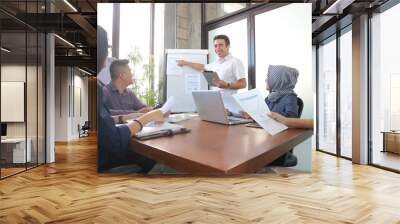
5 50
86 72
64 40
70 5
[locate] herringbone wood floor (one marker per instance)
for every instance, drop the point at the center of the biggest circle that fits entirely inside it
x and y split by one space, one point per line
70 191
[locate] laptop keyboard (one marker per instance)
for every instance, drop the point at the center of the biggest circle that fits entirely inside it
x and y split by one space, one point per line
238 120
231 118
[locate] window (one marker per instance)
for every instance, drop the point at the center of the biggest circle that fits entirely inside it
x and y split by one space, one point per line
283 38
346 94
385 84
139 43
106 21
237 33
327 96
394 102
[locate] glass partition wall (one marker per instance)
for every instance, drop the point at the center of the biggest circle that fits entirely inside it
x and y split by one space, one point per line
334 104
22 78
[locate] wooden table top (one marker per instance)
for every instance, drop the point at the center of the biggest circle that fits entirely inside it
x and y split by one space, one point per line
214 148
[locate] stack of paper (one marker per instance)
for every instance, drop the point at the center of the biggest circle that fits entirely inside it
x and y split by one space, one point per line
253 103
168 105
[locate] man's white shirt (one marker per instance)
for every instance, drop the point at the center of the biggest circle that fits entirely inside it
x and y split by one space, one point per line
229 69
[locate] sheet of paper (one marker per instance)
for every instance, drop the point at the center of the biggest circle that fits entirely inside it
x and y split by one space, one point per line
168 105
230 103
192 83
172 66
253 103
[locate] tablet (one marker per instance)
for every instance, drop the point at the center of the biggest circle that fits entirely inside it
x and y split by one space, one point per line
210 76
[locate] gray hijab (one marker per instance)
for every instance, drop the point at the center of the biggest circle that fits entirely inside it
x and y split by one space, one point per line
281 80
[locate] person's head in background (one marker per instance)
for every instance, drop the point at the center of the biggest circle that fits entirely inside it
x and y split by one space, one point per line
121 74
281 78
221 45
102 47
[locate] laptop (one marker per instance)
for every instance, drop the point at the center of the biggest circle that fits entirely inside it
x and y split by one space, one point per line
211 108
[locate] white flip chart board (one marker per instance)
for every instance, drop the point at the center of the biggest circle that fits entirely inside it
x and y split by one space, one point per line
181 81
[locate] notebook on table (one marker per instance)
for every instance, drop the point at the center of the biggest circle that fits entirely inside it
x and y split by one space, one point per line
156 130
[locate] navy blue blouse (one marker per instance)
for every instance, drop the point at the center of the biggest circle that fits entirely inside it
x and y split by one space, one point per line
286 105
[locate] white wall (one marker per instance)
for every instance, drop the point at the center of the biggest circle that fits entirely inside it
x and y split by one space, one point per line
69 85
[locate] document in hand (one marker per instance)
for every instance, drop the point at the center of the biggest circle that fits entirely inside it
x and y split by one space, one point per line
154 130
253 103
230 103
168 105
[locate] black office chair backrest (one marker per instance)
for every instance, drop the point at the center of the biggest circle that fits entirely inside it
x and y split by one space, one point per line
86 126
300 104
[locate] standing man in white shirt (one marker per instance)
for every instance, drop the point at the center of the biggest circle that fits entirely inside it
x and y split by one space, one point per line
229 69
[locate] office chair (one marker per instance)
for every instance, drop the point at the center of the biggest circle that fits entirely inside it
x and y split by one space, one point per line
300 104
84 130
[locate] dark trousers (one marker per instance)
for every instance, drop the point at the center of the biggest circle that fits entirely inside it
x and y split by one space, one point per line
145 163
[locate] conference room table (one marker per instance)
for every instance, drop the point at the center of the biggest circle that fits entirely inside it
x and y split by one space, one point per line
212 148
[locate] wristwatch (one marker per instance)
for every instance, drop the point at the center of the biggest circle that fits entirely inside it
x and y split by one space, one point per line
228 85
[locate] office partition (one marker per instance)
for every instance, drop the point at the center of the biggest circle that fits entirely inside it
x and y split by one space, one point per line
22 60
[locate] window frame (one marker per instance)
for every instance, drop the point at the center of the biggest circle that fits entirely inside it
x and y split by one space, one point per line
248 13
333 37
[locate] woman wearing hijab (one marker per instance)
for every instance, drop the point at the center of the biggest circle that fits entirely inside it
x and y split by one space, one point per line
280 82
282 102
282 99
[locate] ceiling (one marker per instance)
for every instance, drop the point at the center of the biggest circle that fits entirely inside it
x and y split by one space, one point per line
76 23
